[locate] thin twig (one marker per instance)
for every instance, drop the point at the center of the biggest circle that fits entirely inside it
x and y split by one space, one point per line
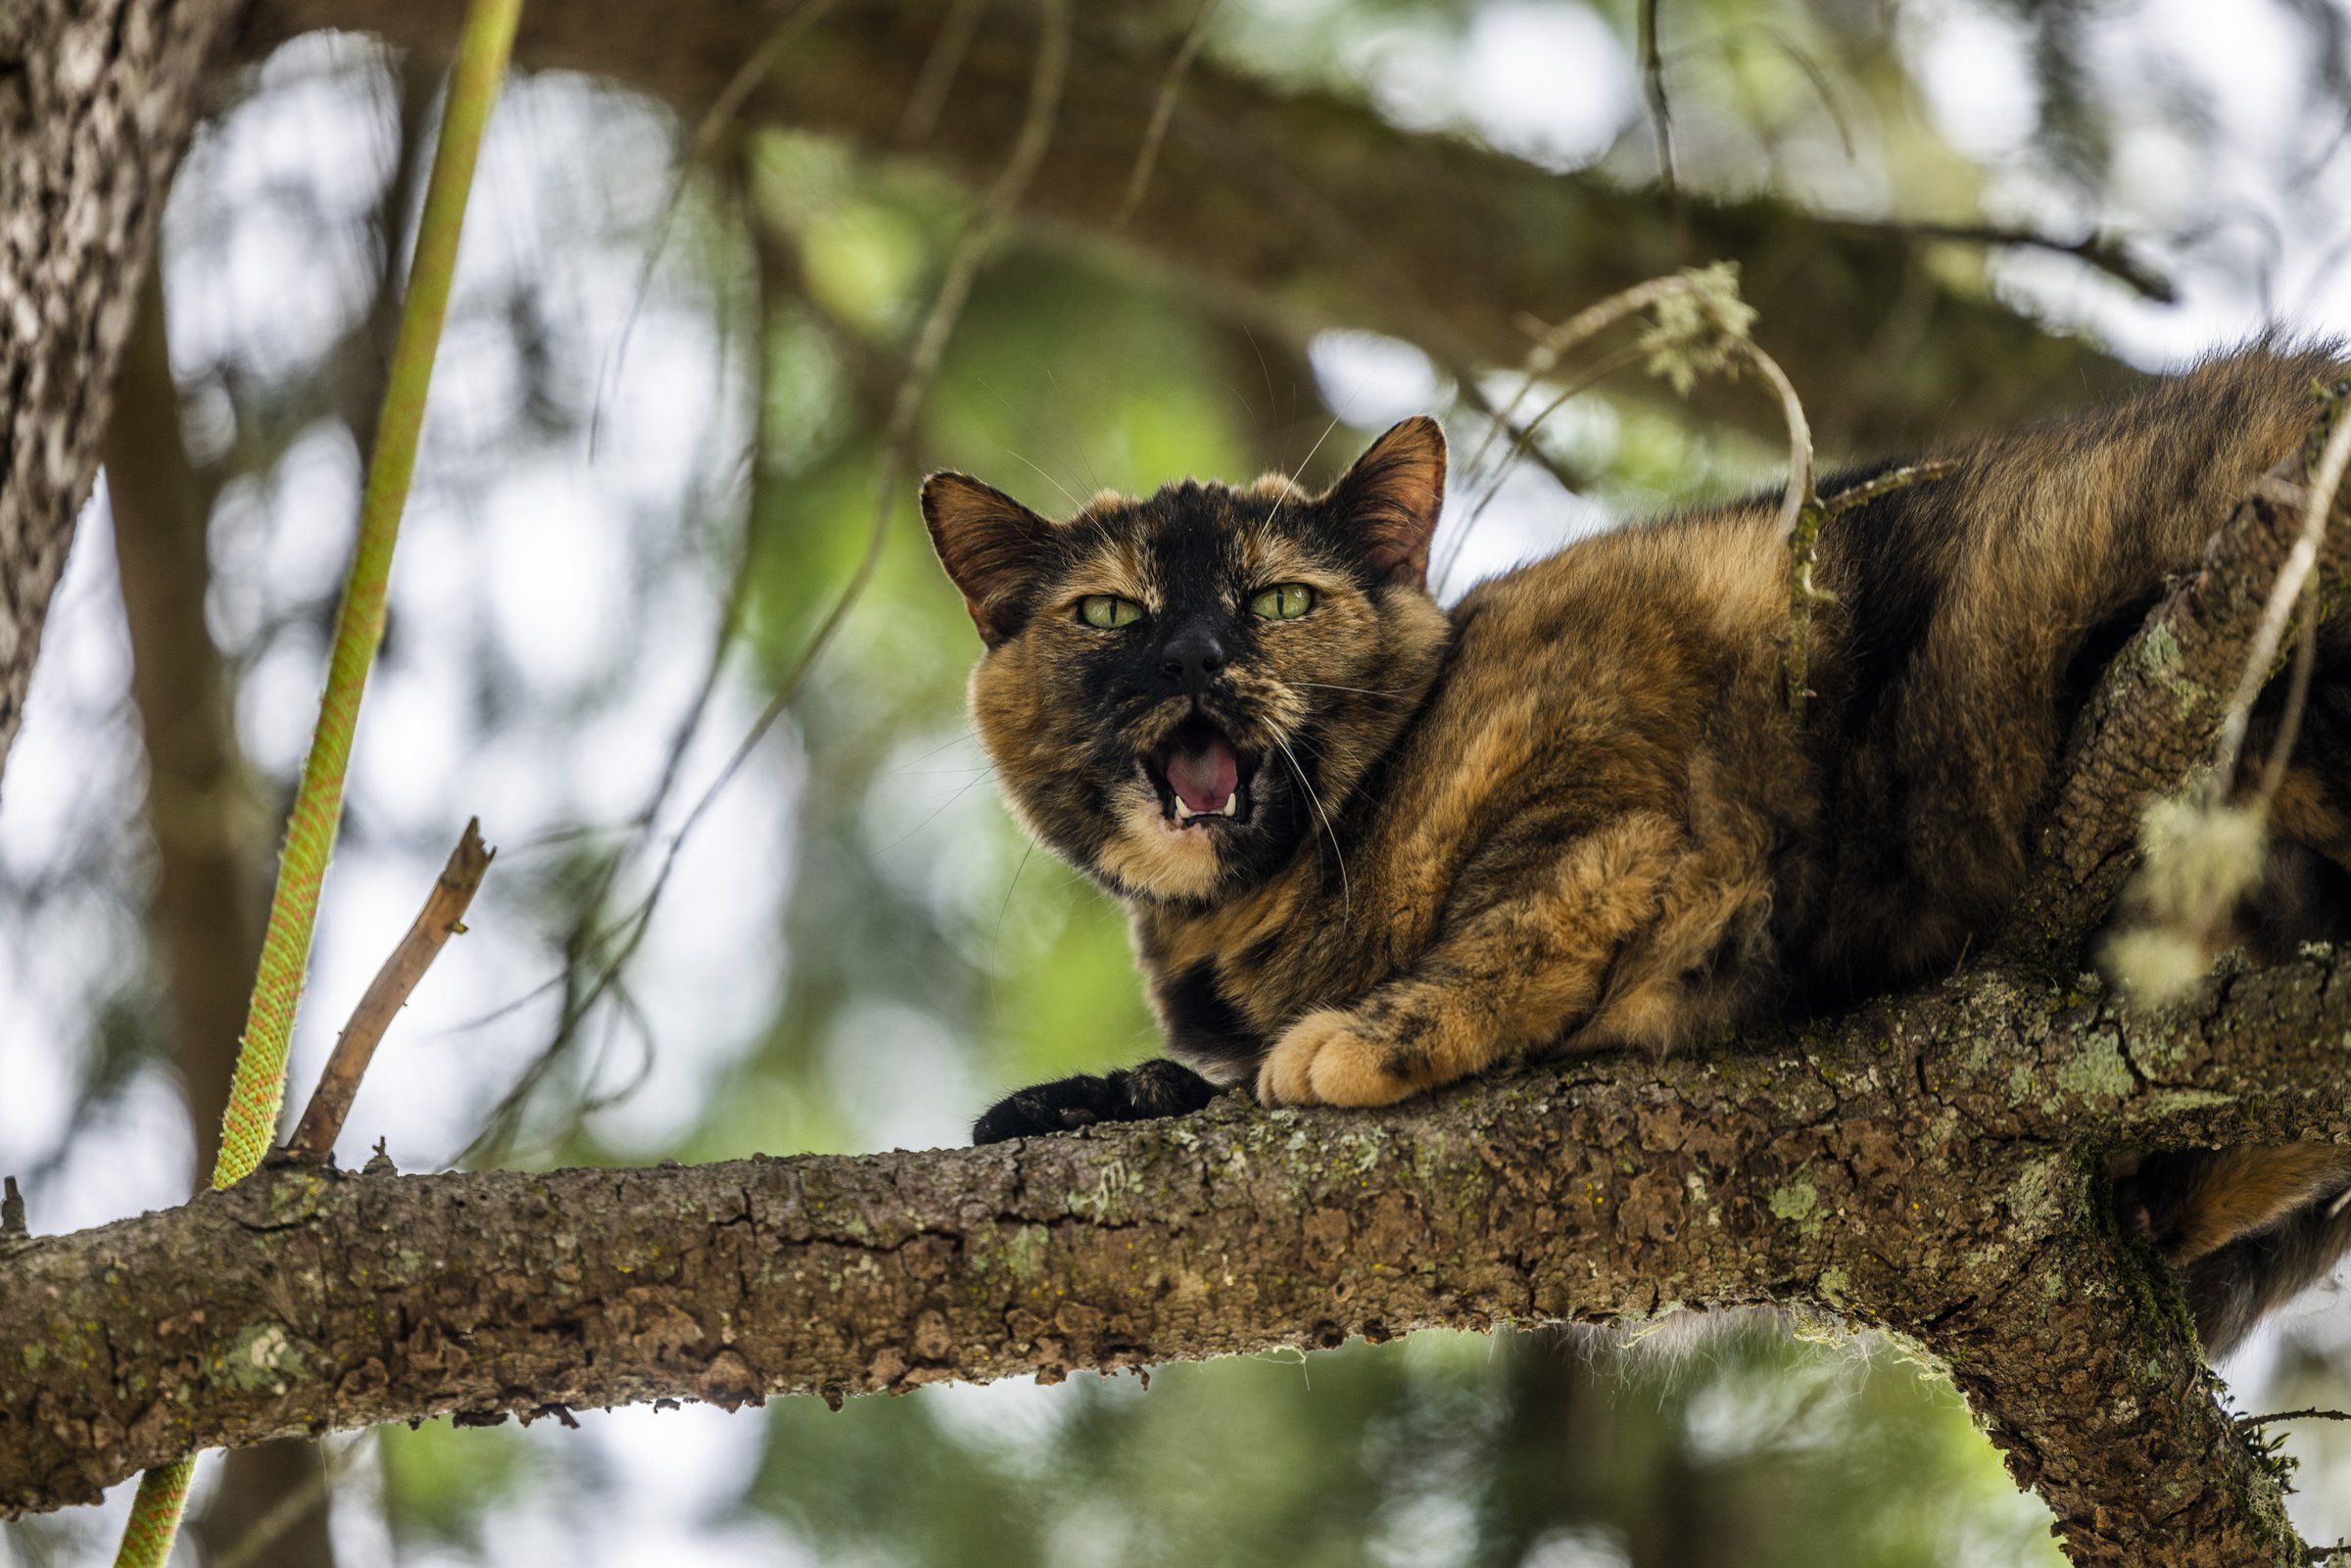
1555 343
2261 656
1552 345
2100 252
2313 1414
1798 493
1803 530
2297 693
756 69
1522 443
1885 484
442 918
922 366
1800 517
1797 55
1163 112
291 1509
929 100
1660 119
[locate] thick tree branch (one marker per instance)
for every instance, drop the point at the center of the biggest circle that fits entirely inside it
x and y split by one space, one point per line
96 102
2151 727
1473 239
1918 1166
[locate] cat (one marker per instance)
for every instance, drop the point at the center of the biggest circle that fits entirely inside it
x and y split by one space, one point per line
1370 846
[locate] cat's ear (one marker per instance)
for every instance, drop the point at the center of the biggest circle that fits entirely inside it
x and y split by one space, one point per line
990 545
1392 496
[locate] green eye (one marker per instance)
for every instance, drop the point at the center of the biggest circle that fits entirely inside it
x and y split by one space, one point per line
1108 611
1283 602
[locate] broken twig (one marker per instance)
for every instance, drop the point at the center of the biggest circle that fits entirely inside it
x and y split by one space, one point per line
440 920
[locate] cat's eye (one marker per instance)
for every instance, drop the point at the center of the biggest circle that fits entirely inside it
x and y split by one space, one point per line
1283 602
1108 611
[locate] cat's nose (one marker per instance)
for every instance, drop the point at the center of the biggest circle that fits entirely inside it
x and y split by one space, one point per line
1191 655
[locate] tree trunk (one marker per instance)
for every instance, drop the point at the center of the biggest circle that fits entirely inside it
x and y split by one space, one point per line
96 104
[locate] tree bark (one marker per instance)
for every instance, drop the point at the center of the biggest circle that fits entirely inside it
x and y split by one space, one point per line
2150 728
96 104
1920 1165
1299 209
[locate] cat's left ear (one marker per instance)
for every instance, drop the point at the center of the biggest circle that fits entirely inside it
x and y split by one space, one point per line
990 545
1392 496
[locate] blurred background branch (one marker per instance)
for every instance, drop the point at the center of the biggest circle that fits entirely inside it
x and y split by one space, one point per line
1479 235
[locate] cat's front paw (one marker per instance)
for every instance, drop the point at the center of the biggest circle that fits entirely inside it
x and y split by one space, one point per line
1153 1089
1062 1105
1328 1058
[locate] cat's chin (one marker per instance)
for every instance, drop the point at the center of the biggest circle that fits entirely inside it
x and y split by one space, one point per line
1158 855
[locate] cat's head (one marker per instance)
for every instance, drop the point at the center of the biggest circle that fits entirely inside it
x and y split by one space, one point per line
1180 690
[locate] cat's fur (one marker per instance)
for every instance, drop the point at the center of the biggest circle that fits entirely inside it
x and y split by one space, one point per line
1573 812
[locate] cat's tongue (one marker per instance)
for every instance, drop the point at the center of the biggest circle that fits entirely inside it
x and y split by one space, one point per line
1204 776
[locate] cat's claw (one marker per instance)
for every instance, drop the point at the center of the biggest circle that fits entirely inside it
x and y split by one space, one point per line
1324 1059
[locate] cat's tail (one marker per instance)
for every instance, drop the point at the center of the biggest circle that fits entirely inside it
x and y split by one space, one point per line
2248 1227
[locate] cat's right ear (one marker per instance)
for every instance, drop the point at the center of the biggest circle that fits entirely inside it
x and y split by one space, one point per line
1391 498
990 545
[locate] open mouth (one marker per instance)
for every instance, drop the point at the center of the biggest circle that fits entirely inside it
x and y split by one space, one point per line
1203 779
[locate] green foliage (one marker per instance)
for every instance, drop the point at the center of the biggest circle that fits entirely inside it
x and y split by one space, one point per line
1443 1450
440 1480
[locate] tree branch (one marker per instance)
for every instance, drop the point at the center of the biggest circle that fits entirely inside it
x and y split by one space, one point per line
1475 237
1915 1166
2152 725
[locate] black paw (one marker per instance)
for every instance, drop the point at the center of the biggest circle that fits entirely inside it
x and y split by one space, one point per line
1156 1088
1057 1107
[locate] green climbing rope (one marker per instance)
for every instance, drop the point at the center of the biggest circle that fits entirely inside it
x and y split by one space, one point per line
259 1087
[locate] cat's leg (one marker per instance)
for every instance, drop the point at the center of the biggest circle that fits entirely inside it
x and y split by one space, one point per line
1509 976
1149 1090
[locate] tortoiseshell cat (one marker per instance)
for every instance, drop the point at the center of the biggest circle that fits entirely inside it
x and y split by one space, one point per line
1370 846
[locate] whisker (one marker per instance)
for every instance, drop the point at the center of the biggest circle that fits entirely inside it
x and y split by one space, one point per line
926 757
1092 478
1075 503
996 938
1031 427
933 817
1359 691
1306 462
1346 893
1272 404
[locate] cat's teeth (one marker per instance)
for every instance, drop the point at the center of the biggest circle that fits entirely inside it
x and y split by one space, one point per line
1232 805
